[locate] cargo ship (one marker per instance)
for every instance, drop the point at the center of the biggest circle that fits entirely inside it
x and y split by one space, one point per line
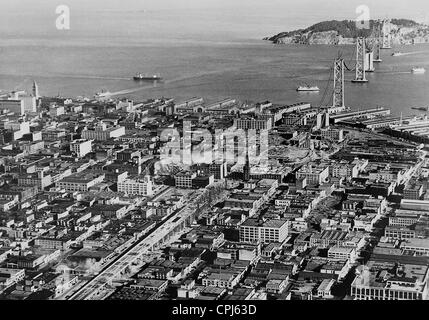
418 70
308 88
397 54
146 77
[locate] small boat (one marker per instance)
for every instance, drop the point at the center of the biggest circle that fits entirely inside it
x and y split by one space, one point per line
102 94
145 77
418 70
308 88
397 54
420 108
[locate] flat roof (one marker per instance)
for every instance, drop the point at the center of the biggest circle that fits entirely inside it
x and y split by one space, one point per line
274 223
416 242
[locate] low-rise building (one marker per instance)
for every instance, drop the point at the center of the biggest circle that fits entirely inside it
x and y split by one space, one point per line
343 253
253 124
9 276
81 181
101 132
224 279
184 179
418 246
314 174
142 187
325 289
376 284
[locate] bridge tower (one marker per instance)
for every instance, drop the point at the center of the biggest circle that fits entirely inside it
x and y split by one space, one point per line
338 96
387 38
360 61
378 42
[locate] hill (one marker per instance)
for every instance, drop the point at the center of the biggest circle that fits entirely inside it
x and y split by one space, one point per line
344 32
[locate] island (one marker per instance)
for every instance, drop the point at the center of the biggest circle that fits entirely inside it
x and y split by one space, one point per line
402 31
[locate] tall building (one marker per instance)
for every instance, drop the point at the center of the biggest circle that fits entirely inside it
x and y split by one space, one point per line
252 230
413 191
246 169
81 147
322 120
30 103
35 90
218 169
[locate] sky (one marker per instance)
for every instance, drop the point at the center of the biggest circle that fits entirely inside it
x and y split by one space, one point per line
332 7
178 19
